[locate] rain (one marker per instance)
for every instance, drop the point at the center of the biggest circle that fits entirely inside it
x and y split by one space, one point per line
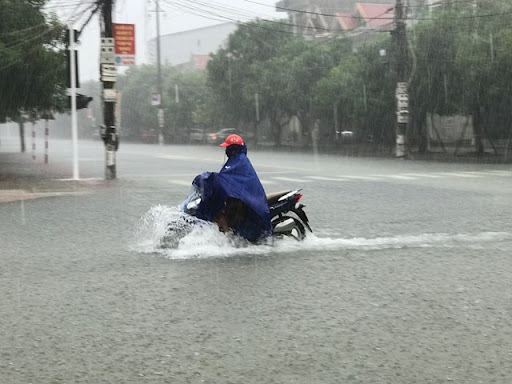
255 191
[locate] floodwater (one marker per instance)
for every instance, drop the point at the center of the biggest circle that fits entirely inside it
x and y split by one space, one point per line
405 280
205 241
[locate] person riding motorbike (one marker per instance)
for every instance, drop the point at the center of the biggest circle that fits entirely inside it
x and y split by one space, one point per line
234 198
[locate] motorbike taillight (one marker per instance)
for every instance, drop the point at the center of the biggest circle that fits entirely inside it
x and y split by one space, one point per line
299 196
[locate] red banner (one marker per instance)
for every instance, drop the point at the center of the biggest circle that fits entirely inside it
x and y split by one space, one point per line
124 43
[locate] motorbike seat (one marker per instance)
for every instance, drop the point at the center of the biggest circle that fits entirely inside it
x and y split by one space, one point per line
272 198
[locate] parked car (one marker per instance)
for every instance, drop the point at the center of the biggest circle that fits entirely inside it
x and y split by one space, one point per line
218 138
149 137
198 136
345 136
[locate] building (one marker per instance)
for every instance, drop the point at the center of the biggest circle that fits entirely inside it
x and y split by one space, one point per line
366 22
322 19
189 49
196 62
319 18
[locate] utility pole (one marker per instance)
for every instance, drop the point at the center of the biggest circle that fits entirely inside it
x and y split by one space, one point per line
109 131
74 122
161 119
402 95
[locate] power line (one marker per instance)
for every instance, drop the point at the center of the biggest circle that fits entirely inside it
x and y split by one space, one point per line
391 8
24 42
201 12
39 34
216 6
23 30
197 12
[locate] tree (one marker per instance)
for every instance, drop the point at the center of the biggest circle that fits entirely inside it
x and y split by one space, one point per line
437 83
186 92
32 63
361 88
463 67
286 83
266 59
138 115
481 59
236 73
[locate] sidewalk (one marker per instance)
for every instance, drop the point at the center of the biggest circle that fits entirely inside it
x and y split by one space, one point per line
21 178
465 155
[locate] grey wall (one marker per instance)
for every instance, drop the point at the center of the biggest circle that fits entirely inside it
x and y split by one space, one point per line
177 48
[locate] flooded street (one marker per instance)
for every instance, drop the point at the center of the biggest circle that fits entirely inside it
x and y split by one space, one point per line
406 279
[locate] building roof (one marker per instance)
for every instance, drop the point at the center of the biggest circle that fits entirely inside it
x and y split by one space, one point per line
371 15
327 6
200 61
376 15
347 21
207 28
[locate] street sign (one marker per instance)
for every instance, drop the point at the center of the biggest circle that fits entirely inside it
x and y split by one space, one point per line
402 118
161 117
124 35
402 103
155 99
108 73
109 95
401 88
107 51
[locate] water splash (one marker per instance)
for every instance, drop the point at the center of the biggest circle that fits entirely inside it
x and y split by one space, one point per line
153 226
207 242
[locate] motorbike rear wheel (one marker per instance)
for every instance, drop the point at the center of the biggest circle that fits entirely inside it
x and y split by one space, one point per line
297 230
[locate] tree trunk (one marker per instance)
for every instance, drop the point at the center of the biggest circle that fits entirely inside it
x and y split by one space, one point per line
507 145
422 134
457 145
437 132
276 131
304 121
256 133
484 131
22 135
334 135
477 130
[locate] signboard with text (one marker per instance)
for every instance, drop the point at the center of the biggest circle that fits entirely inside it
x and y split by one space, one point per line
124 44
155 98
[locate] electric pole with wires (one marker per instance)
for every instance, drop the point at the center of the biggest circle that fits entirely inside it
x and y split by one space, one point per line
402 94
161 117
109 132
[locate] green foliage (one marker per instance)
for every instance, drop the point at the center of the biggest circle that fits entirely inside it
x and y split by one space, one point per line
182 108
459 63
235 73
136 87
463 66
362 89
183 97
32 63
281 68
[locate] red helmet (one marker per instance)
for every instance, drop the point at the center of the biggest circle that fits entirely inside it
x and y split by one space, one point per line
232 140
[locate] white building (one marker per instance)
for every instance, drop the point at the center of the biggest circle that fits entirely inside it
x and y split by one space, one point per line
178 48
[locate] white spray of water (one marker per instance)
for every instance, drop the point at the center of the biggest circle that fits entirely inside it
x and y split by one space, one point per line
207 242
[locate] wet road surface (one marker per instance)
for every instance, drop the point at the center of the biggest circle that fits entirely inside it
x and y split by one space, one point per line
407 279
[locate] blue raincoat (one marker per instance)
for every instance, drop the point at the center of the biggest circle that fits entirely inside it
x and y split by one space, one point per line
237 179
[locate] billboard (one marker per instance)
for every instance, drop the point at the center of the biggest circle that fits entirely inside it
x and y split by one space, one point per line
124 44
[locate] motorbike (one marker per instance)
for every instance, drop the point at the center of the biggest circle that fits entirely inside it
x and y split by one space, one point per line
288 217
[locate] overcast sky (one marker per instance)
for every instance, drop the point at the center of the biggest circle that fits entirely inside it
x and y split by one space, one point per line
176 16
